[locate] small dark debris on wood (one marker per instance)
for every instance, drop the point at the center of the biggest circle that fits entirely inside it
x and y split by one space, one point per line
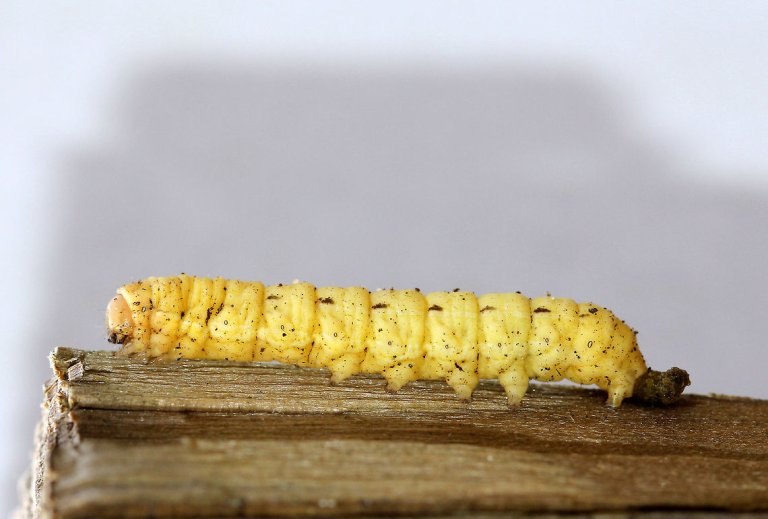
661 388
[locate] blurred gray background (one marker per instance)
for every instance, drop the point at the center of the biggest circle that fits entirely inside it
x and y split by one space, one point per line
611 152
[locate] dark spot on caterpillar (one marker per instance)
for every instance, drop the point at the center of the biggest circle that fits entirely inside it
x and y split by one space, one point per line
273 296
455 289
208 315
327 300
436 308
151 305
219 309
458 367
279 284
589 344
518 292
261 350
182 314
136 303
379 305
417 289
485 308
593 310
284 334
541 309
143 308
226 322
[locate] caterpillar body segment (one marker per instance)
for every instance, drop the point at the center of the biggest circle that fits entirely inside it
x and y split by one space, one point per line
450 344
289 324
395 345
342 324
504 329
403 335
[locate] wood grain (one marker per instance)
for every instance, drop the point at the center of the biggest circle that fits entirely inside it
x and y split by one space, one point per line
124 438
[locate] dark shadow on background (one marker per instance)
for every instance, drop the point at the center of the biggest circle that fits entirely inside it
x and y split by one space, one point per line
513 179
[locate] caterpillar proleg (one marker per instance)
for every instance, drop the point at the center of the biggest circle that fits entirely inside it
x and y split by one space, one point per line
403 335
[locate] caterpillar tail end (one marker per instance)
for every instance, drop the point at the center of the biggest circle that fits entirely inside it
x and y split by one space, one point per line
660 388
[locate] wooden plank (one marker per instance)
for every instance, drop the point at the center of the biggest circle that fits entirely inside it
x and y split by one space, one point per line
124 438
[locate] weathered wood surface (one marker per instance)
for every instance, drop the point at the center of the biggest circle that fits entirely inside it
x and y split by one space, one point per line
122 438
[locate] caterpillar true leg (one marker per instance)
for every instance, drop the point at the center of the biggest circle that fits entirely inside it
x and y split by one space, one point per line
403 335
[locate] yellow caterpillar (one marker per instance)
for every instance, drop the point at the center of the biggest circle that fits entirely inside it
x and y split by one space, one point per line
402 334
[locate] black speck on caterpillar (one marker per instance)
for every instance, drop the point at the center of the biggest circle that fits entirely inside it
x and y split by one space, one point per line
404 335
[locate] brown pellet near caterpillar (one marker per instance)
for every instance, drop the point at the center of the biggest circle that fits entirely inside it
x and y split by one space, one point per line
403 335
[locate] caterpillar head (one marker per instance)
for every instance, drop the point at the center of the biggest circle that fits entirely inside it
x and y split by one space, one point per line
119 321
